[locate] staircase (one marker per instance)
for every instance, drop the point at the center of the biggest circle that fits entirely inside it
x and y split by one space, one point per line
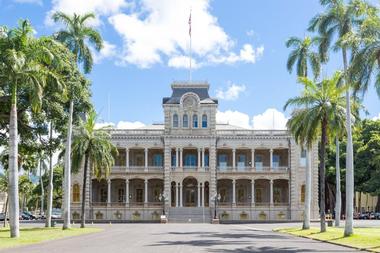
189 215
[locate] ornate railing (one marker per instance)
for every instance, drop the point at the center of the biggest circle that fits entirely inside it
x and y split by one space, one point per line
253 132
115 131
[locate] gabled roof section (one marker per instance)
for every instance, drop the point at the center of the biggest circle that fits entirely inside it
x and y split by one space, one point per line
181 88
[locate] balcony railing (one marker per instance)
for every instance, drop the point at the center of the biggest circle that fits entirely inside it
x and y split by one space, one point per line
158 132
252 169
253 132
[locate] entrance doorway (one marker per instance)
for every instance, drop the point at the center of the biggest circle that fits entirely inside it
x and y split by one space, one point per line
190 192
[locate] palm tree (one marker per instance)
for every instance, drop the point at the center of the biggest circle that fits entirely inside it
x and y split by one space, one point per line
317 109
302 55
339 20
23 64
76 36
95 148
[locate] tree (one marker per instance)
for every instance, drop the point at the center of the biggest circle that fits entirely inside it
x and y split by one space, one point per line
23 64
94 146
76 36
316 111
302 55
339 20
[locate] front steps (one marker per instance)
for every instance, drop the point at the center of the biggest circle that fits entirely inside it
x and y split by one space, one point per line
189 215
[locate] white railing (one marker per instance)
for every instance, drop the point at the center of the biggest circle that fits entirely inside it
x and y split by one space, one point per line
252 132
136 132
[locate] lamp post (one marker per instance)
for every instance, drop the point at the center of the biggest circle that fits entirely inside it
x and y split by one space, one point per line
216 199
162 197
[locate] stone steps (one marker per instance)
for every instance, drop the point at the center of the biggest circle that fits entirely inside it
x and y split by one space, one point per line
189 215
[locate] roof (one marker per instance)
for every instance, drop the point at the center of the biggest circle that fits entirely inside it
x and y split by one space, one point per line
181 88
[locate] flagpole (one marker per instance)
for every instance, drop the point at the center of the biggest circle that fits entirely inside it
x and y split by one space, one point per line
190 47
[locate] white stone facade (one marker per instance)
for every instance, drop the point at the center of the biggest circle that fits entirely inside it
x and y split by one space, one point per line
190 159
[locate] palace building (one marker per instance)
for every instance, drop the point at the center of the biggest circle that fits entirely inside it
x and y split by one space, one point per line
191 166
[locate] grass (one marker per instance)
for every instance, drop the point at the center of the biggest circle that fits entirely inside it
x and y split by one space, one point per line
38 234
363 238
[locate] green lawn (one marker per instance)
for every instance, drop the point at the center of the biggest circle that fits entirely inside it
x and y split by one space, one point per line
38 234
363 238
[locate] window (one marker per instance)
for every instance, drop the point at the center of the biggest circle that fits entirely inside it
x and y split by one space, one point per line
277 195
157 160
241 158
195 121
206 160
204 121
259 162
190 160
303 158
76 193
276 161
121 195
175 120
103 195
303 193
185 121
222 162
173 160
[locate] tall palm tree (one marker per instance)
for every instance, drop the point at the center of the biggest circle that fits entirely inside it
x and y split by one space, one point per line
95 148
316 111
339 21
303 56
23 68
76 36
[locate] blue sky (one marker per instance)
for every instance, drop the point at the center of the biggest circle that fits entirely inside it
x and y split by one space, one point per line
238 47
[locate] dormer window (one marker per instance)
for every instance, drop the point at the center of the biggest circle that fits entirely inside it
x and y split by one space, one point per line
185 121
175 120
204 121
195 121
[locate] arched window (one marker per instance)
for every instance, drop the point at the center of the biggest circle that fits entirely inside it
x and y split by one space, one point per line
204 121
175 120
303 193
195 121
76 193
185 121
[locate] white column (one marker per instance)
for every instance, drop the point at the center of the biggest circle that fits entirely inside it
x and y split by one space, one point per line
199 158
109 191
180 157
271 159
252 157
199 194
146 159
126 191
233 192
253 192
203 158
203 194
180 194
176 194
146 191
127 158
233 159
176 157
271 192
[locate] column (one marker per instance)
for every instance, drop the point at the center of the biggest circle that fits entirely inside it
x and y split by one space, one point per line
127 158
203 158
146 191
203 195
109 192
199 193
233 159
233 192
252 157
146 159
180 194
253 192
199 158
180 158
126 191
271 159
176 194
176 157
271 192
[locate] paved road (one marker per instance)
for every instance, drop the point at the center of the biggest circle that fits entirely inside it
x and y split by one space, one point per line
181 238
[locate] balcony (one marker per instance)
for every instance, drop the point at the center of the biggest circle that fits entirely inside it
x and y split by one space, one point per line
247 169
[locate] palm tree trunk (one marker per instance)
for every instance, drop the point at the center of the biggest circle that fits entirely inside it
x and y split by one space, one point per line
6 211
67 173
14 208
50 185
306 217
83 220
348 228
42 190
338 197
322 175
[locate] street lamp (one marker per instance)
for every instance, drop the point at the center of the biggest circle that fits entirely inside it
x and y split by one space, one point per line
162 197
216 199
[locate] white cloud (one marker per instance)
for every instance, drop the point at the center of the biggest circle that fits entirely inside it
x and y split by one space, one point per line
157 30
270 119
231 93
182 62
376 117
39 2
234 118
108 51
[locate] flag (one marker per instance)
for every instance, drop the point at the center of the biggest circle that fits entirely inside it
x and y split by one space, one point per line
190 24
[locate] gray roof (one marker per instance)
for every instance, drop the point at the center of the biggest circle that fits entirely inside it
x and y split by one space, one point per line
181 88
